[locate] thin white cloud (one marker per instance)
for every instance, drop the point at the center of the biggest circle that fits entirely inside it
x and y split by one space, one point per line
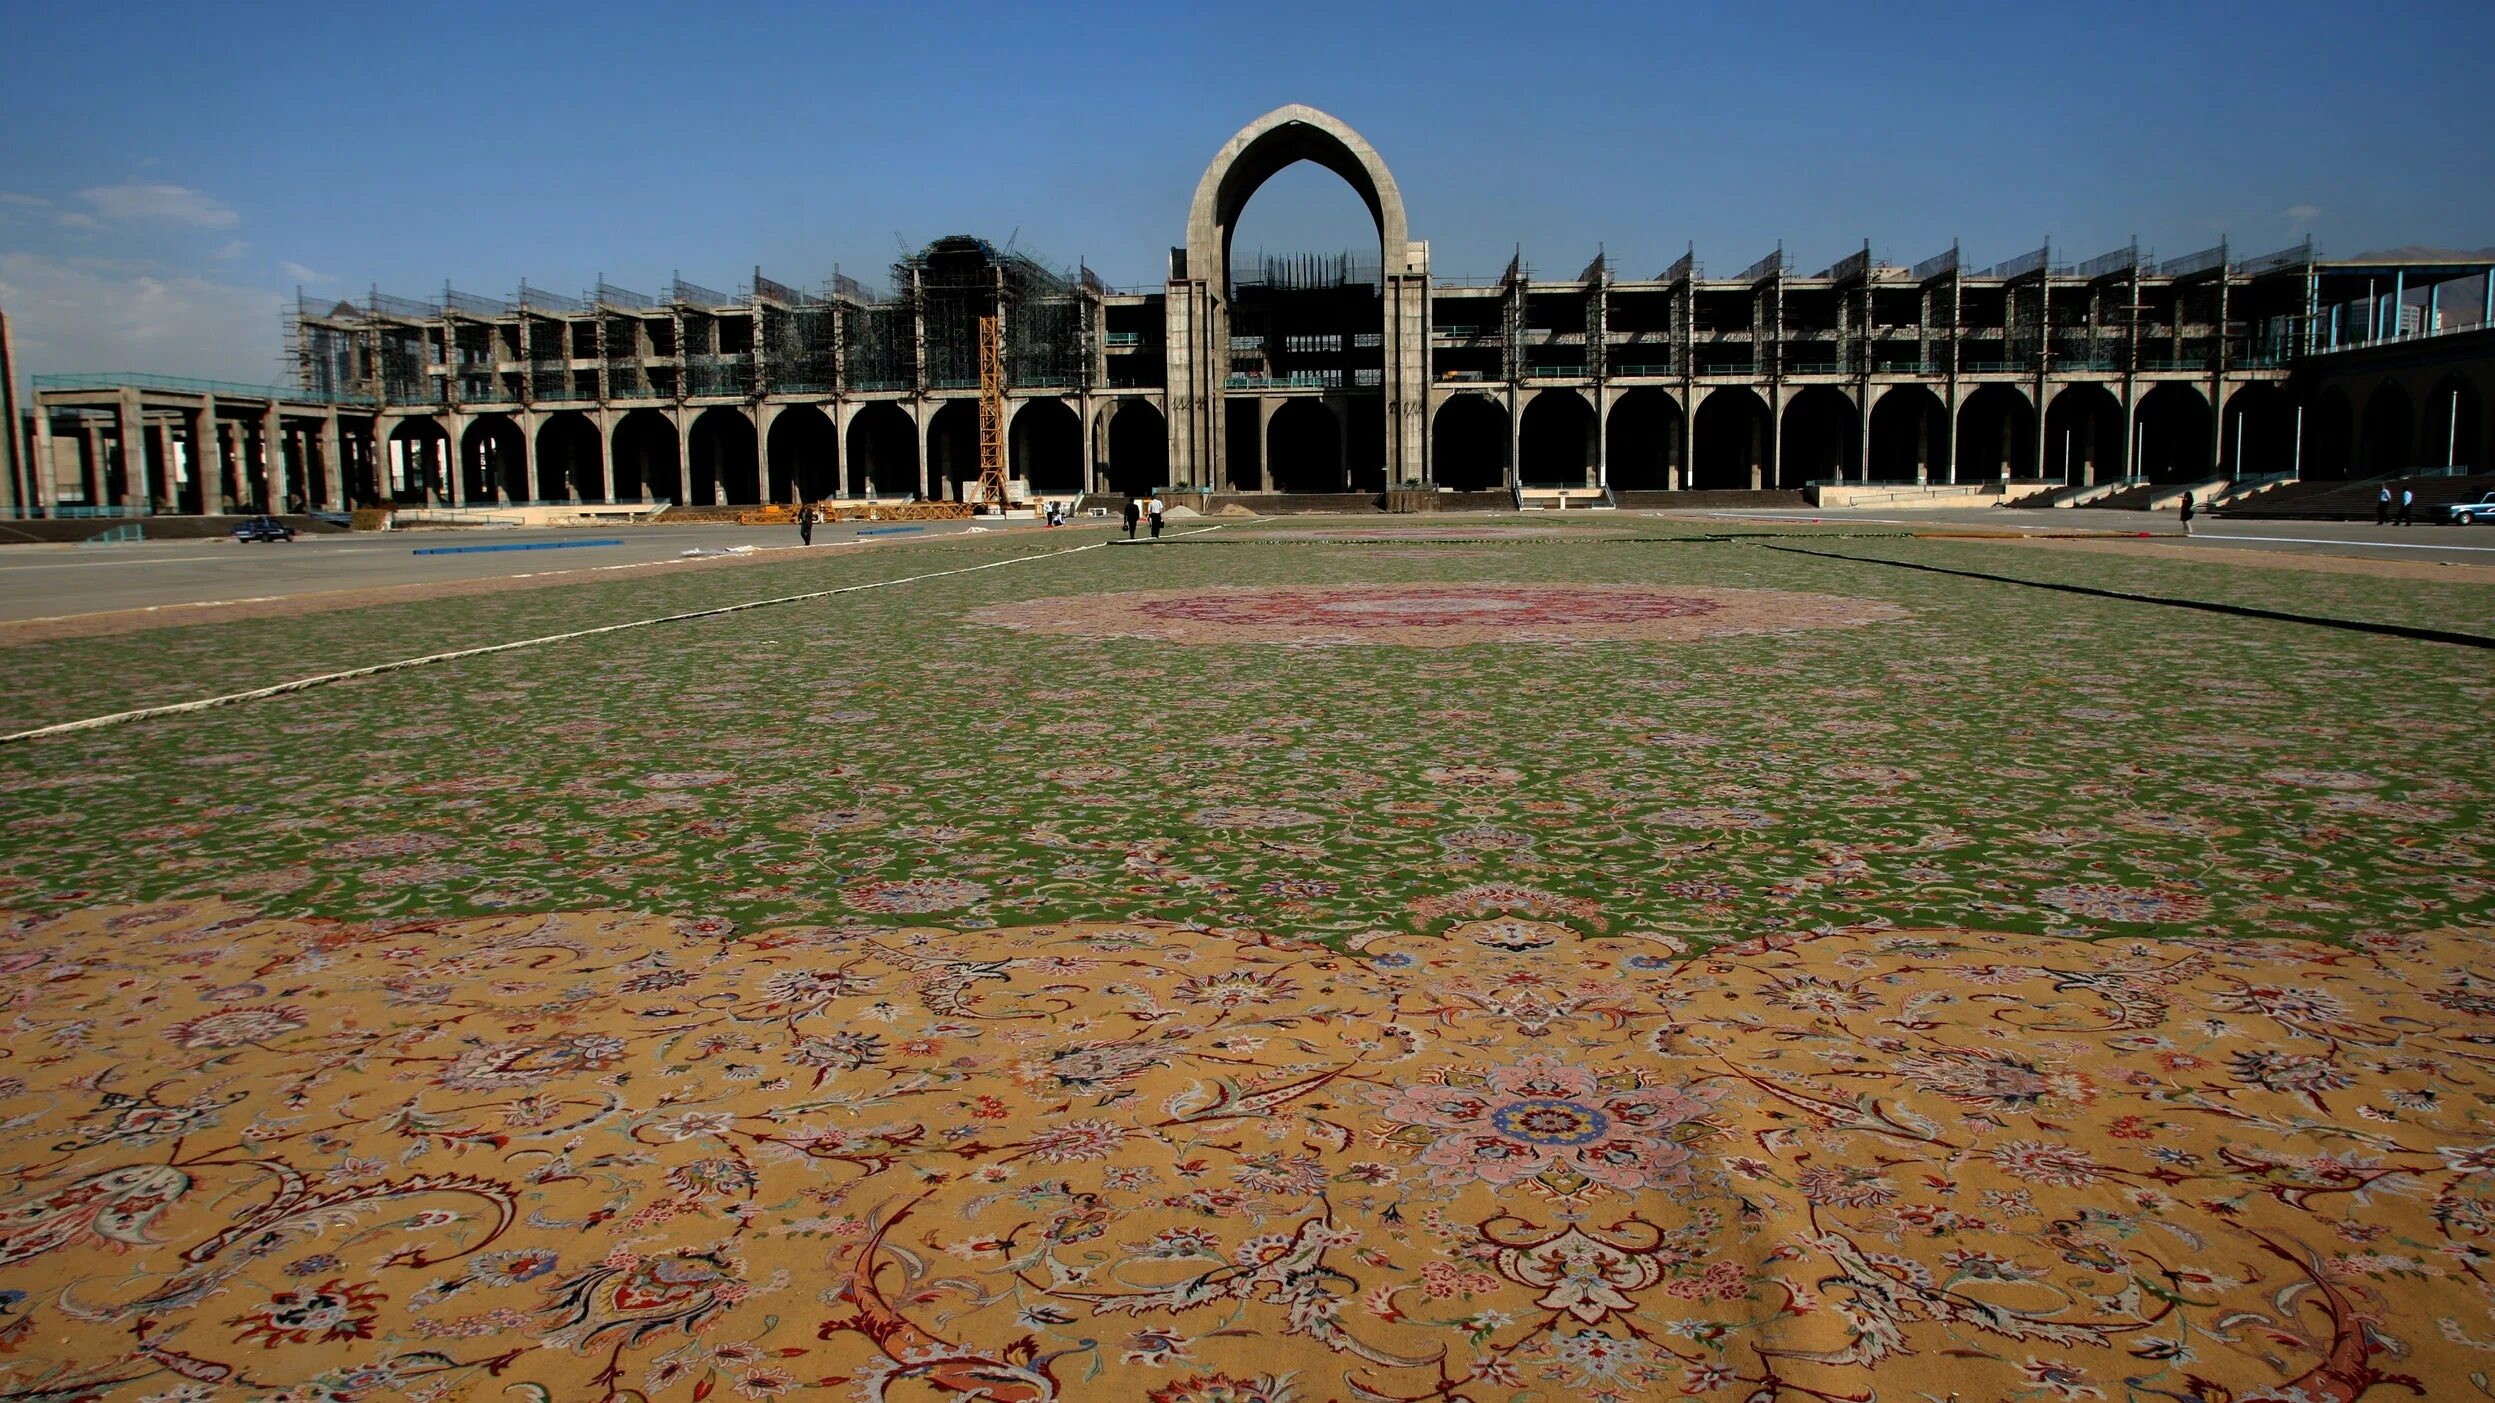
79 219
2301 214
231 250
90 315
170 204
302 274
12 197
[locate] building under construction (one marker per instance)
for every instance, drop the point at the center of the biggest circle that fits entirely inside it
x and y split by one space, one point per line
1304 375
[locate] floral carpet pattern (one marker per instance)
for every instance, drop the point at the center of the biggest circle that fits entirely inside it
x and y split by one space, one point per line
1593 970
591 1156
1436 616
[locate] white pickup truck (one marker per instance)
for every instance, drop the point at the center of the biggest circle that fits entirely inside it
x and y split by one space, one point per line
2463 513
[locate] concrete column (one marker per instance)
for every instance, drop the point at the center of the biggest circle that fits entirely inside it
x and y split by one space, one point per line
42 475
92 477
1862 427
455 458
129 426
2130 432
333 464
1265 407
208 458
925 420
2218 466
1515 439
1601 441
274 461
169 484
677 491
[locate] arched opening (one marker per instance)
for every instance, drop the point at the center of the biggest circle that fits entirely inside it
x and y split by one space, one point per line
1555 445
1305 321
568 460
646 458
1644 441
1045 445
1139 448
2083 434
953 450
493 464
1468 444
1243 445
1304 445
883 452
2451 424
1909 436
725 466
2329 438
1996 434
2383 446
1820 439
2173 434
2260 432
804 454
418 462
1728 441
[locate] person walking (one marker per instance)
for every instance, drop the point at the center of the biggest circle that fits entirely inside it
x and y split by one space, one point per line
2187 513
1133 514
2382 507
1155 507
805 525
2408 507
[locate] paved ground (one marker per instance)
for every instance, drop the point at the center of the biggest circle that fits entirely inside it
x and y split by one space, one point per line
50 581
2455 543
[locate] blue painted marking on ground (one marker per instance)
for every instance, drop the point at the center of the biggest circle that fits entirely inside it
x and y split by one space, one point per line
516 545
890 530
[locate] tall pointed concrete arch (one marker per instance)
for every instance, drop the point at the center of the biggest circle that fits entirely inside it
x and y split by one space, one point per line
1198 305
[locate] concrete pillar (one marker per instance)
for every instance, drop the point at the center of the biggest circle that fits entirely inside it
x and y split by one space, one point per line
926 421
677 490
1862 428
455 458
129 426
273 445
43 475
1515 440
333 466
2130 432
92 478
1598 439
169 483
208 458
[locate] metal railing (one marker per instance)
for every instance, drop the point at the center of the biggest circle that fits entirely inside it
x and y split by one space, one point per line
234 389
1122 338
76 511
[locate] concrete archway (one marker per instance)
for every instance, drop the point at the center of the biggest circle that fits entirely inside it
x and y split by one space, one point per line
1820 438
953 450
415 464
568 460
1198 322
1468 444
804 455
1644 441
1996 435
648 458
1139 448
1729 437
2173 434
2329 437
883 451
1910 436
1304 447
1556 443
2258 437
725 467
493 460
2383 442
1044 443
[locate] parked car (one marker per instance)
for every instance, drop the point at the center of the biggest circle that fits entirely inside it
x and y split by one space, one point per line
264 528
2463 513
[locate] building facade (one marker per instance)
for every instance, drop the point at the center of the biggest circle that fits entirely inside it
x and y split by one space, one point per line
1291 376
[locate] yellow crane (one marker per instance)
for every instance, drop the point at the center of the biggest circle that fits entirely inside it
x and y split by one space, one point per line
991 491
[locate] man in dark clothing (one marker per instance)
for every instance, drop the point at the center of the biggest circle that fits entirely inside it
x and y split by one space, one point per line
1154 507
2187 513
805 525
1133 515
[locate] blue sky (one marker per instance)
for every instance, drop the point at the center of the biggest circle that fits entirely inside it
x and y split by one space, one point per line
170 174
